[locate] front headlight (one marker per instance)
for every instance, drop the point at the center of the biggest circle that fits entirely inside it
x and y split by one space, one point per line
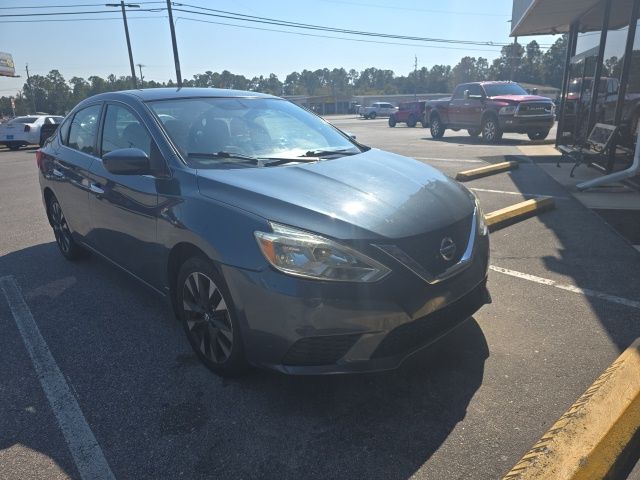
304 254
508 110
480 223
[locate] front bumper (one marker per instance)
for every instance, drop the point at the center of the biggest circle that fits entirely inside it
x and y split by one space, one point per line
298 326
524 124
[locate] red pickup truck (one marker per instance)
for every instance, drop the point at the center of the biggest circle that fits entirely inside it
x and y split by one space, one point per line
491 109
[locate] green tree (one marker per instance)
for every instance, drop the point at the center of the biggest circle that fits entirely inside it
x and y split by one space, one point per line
553 62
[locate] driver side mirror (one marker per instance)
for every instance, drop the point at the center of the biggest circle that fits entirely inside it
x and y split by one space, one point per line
127 161
352 136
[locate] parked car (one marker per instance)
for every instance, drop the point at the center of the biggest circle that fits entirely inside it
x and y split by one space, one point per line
410 113
279 240
21 131
377 109
491 109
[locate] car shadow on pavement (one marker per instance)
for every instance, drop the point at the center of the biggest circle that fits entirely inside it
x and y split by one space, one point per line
158 413
463 139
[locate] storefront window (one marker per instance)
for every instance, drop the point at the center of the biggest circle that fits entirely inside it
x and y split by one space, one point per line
631 103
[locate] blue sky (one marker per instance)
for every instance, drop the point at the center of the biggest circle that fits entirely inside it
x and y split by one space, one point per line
85 48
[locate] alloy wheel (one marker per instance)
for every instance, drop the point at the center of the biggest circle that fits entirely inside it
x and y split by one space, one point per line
60 227
489 131
207 317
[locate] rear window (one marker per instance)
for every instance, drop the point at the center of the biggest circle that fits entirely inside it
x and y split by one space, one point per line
24 120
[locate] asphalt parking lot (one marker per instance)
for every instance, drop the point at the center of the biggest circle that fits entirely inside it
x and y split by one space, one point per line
468 408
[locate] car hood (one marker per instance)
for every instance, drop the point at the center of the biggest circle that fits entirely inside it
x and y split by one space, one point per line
520 98
372 194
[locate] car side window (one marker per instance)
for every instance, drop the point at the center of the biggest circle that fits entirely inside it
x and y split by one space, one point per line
123 130
83 129
458 92
64 131
475 90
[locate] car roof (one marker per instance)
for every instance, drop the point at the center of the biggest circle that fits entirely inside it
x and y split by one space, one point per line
150 94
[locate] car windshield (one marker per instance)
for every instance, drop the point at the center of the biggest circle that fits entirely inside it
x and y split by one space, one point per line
230 132
23 120
497 89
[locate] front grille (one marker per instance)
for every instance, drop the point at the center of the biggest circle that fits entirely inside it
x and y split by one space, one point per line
534 108
425 248
325 350
413 335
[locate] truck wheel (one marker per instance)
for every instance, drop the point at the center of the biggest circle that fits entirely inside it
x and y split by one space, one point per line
437 129
372 115
424 123
473 132
392 121
13 146
411 121
538 135
491 132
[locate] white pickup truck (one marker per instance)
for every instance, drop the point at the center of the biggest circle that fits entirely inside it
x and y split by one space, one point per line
377 109
26 130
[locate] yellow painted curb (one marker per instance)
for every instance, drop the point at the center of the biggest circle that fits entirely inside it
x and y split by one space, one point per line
586 442
485 171
518 211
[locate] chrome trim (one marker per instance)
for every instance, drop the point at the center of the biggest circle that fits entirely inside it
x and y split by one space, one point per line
400 256
95 188
550 114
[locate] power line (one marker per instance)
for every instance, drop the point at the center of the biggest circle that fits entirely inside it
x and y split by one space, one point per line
336 38
38 7
76 13
307 26
80 19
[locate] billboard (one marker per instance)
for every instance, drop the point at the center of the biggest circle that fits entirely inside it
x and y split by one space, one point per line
7 67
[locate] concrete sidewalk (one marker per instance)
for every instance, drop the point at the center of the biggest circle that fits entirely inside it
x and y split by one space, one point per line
617 203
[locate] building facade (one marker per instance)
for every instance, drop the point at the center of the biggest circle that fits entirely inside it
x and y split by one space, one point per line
601 81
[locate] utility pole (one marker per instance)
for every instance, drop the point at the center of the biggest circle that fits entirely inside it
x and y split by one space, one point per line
31 91
175 45
141 77
513 58
123 6
415 77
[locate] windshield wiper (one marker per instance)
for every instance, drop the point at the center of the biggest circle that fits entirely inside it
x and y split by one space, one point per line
322 153
222 154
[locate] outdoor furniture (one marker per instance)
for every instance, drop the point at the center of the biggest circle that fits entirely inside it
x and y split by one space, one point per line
596 147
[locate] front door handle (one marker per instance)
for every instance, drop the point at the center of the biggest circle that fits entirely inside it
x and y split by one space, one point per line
96 188
57 173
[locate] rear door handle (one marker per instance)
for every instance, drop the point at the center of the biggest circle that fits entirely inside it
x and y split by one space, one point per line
57 173
96 188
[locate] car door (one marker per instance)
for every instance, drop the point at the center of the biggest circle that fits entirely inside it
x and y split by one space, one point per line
72 161
471 108
455 104
124 208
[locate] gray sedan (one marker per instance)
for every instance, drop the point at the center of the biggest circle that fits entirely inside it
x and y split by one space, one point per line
279 241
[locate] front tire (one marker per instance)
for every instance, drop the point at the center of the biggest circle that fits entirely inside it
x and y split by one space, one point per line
208 315
392 121
13 146
372 115
491 132
437 129
411 121
538 135
67 245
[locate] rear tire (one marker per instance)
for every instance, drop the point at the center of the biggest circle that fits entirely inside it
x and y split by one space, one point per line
437 129
473 132
209 318
411 121
491 132
372 115
13 146
66 244
392 121
538 135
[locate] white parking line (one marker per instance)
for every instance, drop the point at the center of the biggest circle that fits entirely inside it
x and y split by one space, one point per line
450 160
488 190
83 445
569 288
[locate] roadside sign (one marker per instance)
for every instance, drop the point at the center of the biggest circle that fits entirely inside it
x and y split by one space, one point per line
7 67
